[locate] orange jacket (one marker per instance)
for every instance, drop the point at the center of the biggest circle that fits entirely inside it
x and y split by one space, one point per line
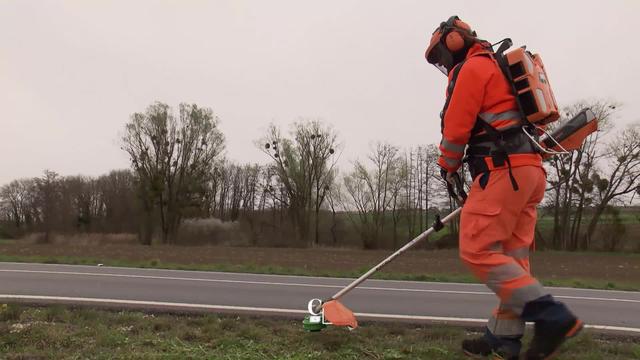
481 90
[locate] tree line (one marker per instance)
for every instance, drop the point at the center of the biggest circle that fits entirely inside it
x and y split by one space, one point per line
588 187
300 197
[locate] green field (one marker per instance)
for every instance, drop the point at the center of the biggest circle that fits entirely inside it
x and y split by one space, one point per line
80 333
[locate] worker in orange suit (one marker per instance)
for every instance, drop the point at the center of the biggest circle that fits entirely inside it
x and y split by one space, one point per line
481 123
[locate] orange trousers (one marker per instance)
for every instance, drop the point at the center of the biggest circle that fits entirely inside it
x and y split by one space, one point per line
497 227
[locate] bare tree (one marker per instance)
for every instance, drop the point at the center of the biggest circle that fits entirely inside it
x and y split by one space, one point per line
304 167
370 190
571 177
20 205
48 187
623 155
420 185
11 200
119 201
334 199
171 157
397 204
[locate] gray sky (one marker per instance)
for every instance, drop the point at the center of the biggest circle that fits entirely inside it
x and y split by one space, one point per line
71 72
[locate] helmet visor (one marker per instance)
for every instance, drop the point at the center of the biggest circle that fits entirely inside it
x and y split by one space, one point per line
438 55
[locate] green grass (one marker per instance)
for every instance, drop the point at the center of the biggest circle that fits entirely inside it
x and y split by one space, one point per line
626 218
280 270
79 333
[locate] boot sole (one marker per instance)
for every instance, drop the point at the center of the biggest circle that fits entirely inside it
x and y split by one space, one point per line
473 356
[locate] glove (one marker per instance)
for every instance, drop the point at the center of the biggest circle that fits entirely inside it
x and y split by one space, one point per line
455 186
447 176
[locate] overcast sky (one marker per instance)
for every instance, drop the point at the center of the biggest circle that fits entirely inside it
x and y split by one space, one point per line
72 72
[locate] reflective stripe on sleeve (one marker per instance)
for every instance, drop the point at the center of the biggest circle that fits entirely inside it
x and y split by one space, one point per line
453 163
449 146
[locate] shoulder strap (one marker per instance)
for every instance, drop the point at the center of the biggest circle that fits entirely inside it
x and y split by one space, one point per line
450 87
504 68
452 84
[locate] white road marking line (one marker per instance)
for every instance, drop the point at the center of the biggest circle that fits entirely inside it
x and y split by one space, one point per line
594 298
270 310
371 288
150 277
223 273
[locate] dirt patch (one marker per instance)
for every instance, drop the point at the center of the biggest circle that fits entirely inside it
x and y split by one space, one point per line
82 239
601 267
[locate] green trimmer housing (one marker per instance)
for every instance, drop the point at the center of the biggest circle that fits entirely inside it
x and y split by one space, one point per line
315 320
313 323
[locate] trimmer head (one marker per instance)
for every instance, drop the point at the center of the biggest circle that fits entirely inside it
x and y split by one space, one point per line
330 313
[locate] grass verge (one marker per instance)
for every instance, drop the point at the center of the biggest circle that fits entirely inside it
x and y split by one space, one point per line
288 270
57 332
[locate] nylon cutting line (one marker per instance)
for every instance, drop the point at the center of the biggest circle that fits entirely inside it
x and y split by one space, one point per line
271 310
370 288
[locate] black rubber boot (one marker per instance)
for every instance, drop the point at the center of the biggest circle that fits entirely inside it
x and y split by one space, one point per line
492 346
554 324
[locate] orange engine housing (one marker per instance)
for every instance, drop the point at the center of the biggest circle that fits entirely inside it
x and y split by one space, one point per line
532 86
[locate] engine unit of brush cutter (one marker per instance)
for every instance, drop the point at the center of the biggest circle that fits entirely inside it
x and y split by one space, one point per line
532 86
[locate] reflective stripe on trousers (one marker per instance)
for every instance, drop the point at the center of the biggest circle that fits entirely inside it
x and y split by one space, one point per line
505 323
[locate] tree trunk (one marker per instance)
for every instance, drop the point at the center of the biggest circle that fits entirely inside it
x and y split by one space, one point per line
333 227
591 228
317 229
146 228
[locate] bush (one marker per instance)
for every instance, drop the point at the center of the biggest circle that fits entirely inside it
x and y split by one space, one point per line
211 231
5 233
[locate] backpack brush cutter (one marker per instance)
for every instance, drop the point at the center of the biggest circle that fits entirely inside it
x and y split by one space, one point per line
566 137
332 312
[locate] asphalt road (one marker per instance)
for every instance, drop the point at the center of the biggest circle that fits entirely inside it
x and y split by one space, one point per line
617 311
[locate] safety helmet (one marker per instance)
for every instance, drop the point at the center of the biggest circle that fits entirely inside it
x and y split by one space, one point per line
449 38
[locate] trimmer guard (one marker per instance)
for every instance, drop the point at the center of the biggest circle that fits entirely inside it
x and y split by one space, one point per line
338 314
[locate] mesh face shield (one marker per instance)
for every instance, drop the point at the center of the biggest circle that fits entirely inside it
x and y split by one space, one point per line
438 55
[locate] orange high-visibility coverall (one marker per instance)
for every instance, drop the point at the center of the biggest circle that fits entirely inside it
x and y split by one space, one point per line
497 222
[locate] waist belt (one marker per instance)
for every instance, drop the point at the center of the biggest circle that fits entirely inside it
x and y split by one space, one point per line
512 142
518 143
